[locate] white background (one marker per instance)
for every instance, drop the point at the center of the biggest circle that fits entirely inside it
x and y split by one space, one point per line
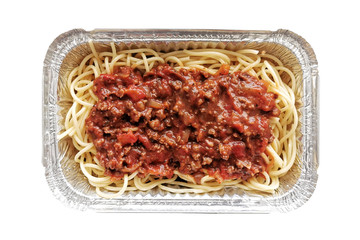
27 206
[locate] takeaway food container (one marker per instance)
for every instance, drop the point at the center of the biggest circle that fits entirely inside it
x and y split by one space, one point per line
69 185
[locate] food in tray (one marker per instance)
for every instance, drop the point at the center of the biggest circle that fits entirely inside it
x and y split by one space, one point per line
193 120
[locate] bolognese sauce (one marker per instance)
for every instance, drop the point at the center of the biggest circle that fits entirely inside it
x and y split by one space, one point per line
183 120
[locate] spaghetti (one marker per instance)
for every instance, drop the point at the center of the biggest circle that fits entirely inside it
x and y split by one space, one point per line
279 155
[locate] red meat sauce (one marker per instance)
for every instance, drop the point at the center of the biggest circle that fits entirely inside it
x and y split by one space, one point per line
187 120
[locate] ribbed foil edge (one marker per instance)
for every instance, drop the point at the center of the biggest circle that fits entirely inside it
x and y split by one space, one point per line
246 203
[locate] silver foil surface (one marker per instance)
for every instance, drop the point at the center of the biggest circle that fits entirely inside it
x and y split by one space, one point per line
69 185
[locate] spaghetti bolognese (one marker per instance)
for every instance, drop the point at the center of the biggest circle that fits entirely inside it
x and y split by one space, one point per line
184 121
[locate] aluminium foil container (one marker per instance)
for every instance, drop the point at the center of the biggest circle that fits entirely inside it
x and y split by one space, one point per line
69 185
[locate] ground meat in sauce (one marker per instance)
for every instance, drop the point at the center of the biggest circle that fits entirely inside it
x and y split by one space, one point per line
186 120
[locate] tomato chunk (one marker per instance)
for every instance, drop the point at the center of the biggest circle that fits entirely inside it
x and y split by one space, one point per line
135 93
127 138
238 149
